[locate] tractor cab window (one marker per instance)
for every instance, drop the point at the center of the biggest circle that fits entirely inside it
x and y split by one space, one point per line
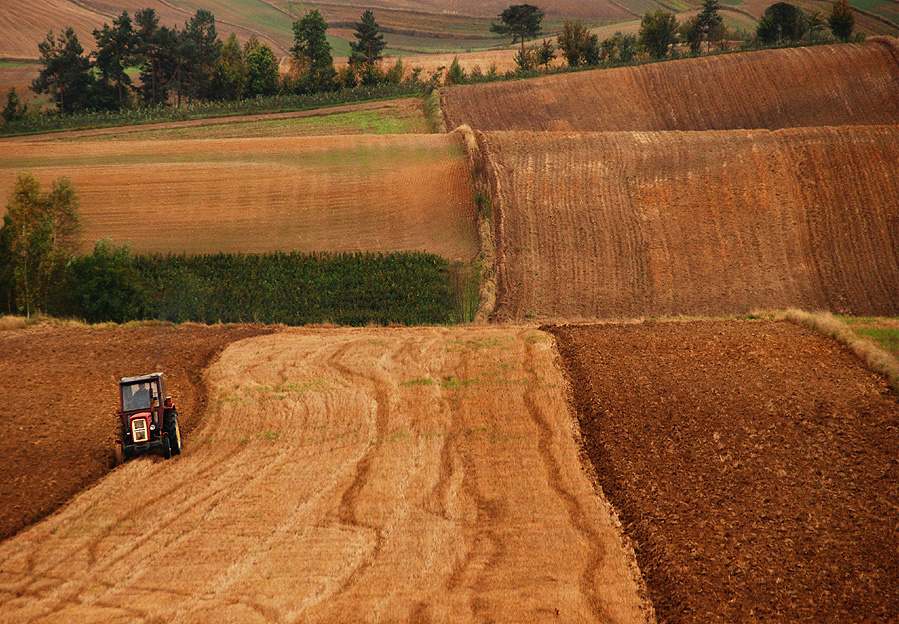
136 397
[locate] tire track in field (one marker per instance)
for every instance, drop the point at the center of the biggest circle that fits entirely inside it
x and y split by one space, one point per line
346 511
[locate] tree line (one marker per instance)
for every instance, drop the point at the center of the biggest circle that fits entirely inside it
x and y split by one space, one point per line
192 64
659 34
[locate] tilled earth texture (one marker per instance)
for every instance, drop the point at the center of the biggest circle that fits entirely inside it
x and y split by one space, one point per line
817 86
371 475
59 393
754 463
630 224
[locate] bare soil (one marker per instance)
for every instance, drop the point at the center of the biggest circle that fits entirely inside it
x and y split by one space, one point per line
631 224
754 464
59 393
819 86
371 475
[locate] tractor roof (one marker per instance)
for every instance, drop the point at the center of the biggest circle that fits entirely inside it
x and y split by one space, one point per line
140 378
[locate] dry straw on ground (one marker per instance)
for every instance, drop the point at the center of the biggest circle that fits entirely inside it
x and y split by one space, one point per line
873 356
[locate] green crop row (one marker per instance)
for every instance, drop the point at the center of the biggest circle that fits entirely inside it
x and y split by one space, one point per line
409 288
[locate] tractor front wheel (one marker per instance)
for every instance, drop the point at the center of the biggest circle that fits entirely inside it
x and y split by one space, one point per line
166 447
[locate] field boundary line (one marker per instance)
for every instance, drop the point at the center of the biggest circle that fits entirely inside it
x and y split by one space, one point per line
487 249
434 113
873 356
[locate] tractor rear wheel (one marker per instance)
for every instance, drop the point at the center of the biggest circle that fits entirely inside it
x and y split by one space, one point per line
166 447
119 453
173 431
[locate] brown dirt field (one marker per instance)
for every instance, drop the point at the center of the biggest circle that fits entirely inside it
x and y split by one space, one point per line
346 475
820 86
623 225
54 375
244 126
754 464
338 193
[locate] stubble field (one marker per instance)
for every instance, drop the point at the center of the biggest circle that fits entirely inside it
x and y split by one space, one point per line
818 86
335 193
346 475
621 225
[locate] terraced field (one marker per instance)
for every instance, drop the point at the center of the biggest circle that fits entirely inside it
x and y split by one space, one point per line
337 193
820 86
620 225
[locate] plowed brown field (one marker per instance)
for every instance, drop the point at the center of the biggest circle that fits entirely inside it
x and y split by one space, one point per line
58 394
616 225
346 475
338 193
819 86
755 464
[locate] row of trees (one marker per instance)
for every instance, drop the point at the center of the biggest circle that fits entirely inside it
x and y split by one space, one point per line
660 30
193 64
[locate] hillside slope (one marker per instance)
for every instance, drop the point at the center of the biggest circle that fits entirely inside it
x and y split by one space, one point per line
610 225
820 86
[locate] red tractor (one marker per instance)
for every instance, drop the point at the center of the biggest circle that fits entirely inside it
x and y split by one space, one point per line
148 418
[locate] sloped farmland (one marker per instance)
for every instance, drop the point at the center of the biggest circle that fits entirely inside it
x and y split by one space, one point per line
346 475
621 225
337 193
819 86
754 464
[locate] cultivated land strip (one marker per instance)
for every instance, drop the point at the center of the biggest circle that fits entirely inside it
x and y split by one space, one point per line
336 193
753 463
818 86
346 475
618 225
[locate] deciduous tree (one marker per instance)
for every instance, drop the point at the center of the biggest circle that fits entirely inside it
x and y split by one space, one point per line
230 74
841 20
576 43
781 22
657 30
40 231
262 71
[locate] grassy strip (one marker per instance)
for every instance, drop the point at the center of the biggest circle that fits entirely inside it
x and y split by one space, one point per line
434 113
873 356
486 260
202 110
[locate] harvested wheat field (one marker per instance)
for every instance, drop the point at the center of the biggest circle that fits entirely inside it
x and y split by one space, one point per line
68 375
818 86
622 225
753 463
337 193
346 475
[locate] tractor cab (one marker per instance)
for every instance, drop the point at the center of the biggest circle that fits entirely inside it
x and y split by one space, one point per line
148 418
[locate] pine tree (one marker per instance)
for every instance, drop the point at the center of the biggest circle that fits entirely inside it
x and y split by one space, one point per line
312 49
67 72
117 49
370 44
